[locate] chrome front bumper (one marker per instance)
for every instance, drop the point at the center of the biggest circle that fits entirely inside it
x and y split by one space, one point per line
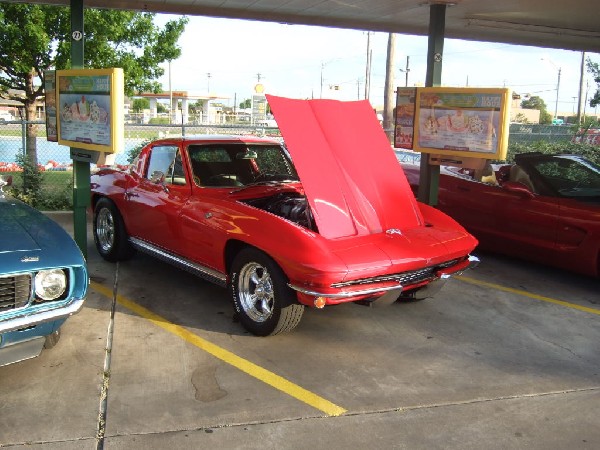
28 319
441 276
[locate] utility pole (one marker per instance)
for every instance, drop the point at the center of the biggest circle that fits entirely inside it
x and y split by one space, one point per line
170 96
322 67
581 80
368 68
388 99
557 89
406 70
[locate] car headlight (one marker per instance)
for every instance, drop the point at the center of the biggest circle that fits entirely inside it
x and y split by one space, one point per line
50 284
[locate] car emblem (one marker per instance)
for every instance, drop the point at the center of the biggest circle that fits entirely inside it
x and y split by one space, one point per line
27 259
393 231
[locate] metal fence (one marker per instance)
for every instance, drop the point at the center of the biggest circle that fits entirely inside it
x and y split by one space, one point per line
53 158
525 134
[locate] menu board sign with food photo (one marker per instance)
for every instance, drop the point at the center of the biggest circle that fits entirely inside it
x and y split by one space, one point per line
465 122
89 109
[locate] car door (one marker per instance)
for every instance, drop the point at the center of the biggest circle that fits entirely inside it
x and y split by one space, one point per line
207 219
504 219
530 224
155 200
473 204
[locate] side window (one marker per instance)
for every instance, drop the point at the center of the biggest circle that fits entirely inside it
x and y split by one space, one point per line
207 153
212 165
166 160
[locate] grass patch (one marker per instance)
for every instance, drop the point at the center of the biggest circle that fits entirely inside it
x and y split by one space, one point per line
56 190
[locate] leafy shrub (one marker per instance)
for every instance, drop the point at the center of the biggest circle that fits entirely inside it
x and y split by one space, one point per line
135 151
159 121
591 152
32 178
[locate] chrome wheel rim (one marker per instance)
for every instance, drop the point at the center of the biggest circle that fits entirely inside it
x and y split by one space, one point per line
255 289
105 230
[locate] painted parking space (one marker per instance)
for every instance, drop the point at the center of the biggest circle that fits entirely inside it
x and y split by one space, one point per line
520 292
254 370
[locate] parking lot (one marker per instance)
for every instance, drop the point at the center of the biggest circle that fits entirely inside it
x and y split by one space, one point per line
505 357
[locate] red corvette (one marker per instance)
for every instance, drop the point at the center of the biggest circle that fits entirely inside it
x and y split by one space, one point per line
543 208
338 224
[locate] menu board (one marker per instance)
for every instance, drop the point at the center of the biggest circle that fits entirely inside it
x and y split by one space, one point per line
50 104
89 109
405 117
468 122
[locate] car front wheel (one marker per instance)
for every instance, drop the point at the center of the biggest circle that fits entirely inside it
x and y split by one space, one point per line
265 304
110 236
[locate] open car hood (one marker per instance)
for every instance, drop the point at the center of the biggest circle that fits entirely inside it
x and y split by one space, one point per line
349 172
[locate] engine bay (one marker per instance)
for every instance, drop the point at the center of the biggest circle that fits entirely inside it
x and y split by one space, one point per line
289 205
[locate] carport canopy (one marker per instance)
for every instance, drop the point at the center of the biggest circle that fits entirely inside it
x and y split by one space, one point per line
573 25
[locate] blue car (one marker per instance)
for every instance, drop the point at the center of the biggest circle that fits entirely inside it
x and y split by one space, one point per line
43 279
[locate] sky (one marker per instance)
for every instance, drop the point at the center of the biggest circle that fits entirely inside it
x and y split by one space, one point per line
226 57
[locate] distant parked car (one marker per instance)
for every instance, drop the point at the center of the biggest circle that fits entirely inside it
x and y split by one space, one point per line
543 208
330 221
5 116
43 279
267 123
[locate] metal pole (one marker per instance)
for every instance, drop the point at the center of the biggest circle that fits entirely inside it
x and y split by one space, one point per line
368 68
580 95
557 89
321 93
430 175
81 169
170 96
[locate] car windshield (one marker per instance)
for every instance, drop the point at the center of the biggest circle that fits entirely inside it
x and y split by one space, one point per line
239 164
570 177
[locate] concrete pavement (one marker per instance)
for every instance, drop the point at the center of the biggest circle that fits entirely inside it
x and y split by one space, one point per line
492 363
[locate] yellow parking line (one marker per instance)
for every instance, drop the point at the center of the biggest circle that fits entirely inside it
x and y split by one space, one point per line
242 364
528 294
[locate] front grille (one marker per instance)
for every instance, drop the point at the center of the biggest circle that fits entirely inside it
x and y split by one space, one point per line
403 278
15 291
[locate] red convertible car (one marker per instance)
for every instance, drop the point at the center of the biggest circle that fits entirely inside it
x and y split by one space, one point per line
543 208
334 222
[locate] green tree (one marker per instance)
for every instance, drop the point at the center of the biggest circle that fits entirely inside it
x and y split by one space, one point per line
535 102
594 69
246 104
35 38
161 108
520 118
196 107
140 104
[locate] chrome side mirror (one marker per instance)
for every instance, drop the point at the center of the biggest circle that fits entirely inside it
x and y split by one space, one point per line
157 177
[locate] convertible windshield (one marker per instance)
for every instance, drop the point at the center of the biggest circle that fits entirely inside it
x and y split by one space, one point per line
571 177
240 164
